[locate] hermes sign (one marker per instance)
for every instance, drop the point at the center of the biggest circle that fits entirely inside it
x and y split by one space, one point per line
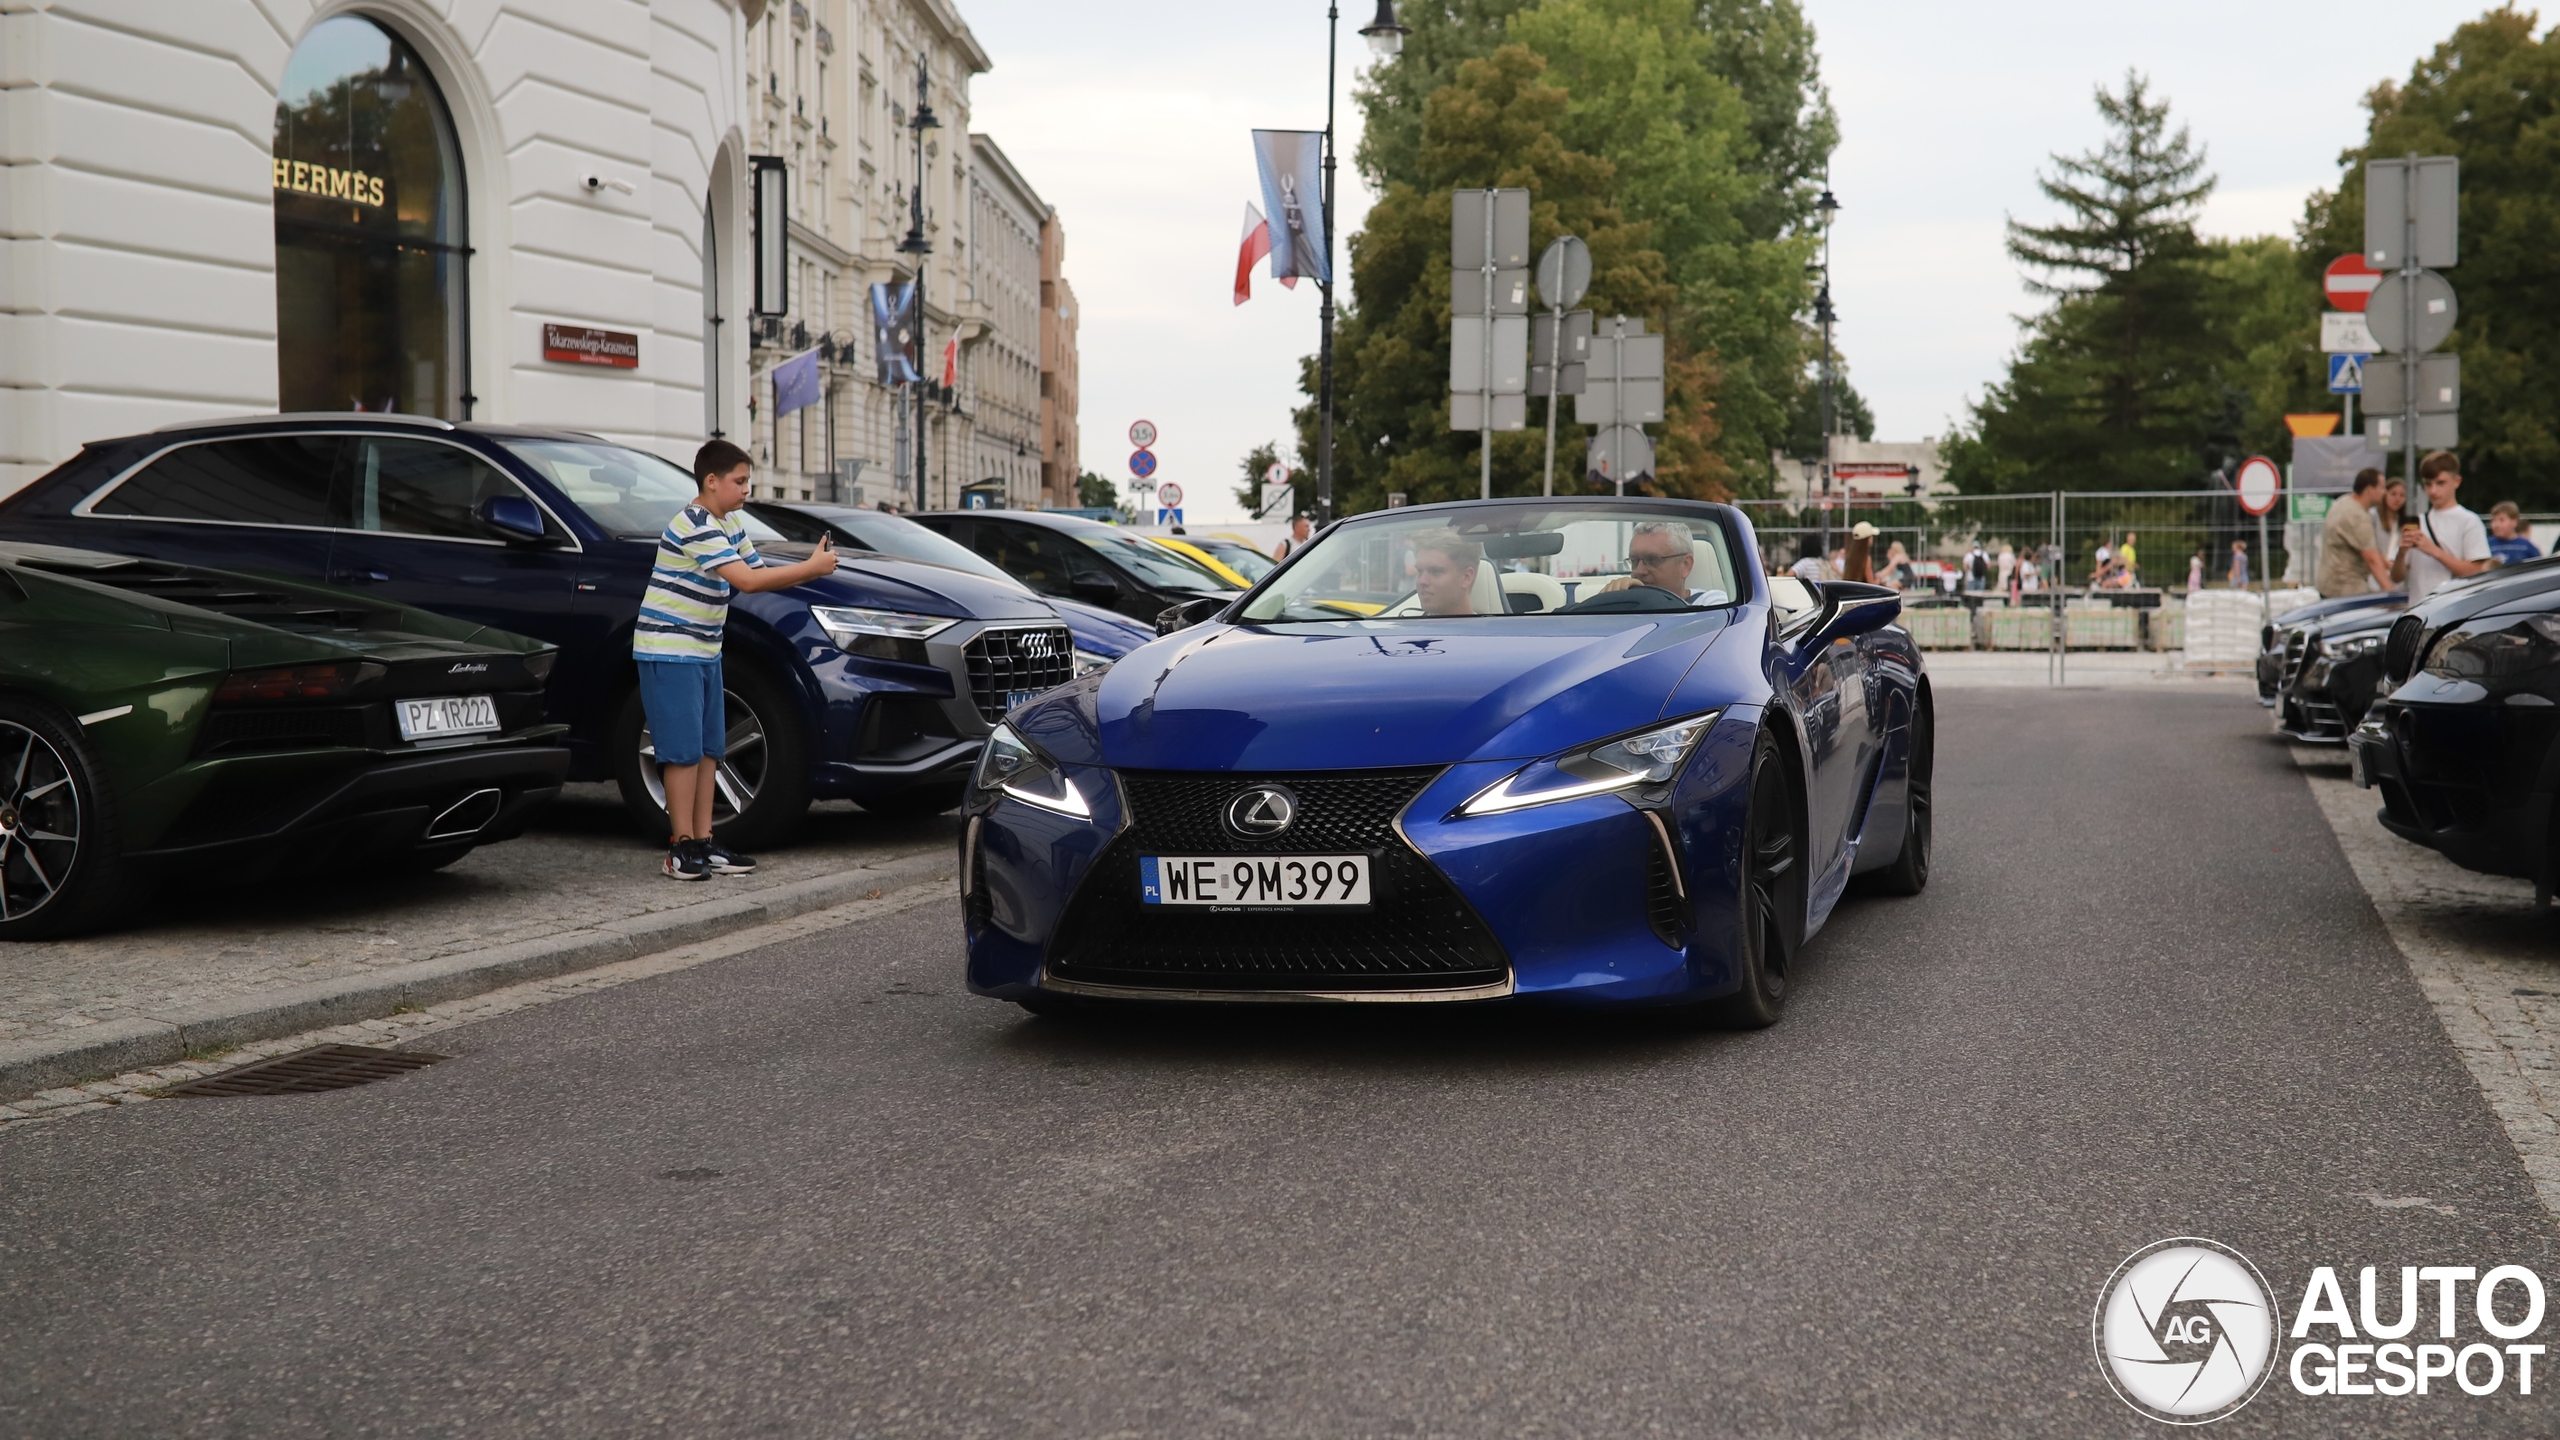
329 182
578 345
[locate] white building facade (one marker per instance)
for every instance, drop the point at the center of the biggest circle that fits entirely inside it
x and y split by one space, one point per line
520 211
497 210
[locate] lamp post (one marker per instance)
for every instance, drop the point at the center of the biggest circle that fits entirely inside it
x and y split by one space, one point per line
919 246
1823 209
1386 41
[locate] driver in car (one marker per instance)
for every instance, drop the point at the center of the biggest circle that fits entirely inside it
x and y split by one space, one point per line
1444 572
1661 554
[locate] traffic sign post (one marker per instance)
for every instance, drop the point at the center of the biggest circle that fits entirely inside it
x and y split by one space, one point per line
1489 315
1143 464
1169 495
1166 519
2259 484
2412 227
1143 434
2349 283
1564 277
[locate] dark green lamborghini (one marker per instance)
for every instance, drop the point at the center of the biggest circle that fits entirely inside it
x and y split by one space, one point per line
159 718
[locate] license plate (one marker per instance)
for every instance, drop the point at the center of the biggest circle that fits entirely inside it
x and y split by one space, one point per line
445 715
1254 882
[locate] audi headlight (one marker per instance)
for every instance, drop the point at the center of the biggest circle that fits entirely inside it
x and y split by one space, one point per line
1088 663
1629 762
1009 766
880 634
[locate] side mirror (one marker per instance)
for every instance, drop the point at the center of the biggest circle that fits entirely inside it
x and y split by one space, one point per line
1855 609
1099 589
512 518
1188 614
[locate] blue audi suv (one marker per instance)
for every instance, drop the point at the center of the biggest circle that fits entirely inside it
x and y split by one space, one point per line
878 684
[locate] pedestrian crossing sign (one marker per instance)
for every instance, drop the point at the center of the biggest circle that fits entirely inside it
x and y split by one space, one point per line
2346 374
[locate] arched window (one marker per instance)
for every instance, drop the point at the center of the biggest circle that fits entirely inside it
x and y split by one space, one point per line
371 260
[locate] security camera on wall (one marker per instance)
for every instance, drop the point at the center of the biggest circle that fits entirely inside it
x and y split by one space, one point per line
593 183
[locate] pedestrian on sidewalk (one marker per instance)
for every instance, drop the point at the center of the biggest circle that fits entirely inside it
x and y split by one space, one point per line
2507 539
1857 561
2351 560
2195 571
703 558
2444 542
2009 570
2239 576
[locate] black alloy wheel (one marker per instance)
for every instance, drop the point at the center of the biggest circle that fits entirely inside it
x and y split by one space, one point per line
761 784
1909 873
60 868
1772 882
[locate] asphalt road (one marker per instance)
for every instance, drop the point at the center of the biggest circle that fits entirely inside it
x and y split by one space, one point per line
819 1190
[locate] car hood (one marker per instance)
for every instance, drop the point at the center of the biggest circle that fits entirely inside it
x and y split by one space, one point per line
1107 633
883 583
1363 694
2358 620
2341 605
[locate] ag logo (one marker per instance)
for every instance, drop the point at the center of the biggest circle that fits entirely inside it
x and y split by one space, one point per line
2185 1331
1262 812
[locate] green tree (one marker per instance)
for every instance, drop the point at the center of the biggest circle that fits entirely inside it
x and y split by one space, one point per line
2120 385
2490 96
1095 493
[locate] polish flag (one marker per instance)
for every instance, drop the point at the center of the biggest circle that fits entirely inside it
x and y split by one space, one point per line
1256 246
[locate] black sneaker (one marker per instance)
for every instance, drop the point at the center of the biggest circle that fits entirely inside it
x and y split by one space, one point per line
685 861
723 862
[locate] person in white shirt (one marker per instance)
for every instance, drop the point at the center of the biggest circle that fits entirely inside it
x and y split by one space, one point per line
2443 542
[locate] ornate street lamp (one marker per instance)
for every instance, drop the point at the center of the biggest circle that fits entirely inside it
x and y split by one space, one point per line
919 245
1386 37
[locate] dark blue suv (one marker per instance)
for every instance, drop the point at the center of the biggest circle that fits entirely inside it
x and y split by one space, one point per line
877 684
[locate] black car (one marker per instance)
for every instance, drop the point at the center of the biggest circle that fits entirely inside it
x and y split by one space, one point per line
2465 751
2332 670
879 683
1074 558
2276 651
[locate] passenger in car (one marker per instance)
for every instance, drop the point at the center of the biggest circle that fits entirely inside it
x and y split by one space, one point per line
1444 572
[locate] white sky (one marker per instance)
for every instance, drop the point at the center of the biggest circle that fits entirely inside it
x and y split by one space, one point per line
1131 118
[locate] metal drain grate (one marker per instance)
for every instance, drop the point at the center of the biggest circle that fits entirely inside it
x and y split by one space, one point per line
322 1067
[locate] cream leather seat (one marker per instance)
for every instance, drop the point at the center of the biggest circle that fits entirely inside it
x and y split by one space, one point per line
1485 595
1549 594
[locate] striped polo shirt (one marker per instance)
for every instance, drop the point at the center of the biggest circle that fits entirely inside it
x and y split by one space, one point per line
687 602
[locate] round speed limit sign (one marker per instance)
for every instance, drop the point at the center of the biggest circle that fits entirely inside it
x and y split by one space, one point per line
1143 434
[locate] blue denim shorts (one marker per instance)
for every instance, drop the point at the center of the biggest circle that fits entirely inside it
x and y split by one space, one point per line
687 721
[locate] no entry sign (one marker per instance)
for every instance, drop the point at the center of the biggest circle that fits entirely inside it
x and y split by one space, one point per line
2259 484
2349 282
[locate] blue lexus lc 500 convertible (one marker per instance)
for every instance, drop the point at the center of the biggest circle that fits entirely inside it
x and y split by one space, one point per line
1575 750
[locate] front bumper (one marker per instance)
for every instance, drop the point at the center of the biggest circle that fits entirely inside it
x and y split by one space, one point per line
2466 781
1587 901
2323 699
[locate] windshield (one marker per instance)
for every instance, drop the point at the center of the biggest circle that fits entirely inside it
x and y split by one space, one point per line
1567 559
1243 559
904 538
1151 563
630 493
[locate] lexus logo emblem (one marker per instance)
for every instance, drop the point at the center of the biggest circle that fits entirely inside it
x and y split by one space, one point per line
1262 812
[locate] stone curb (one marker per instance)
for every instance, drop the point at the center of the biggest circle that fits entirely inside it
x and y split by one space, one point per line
143 1042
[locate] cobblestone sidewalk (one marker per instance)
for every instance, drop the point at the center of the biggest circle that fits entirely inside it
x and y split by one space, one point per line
2480 949
583 866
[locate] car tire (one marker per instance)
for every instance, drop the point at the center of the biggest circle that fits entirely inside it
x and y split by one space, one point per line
1909 872
1772 879
768 765
62 867
920 803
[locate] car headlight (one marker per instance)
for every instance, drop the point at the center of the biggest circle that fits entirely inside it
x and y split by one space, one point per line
1088 663
880 634
1009 766
1629 762
2351 647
